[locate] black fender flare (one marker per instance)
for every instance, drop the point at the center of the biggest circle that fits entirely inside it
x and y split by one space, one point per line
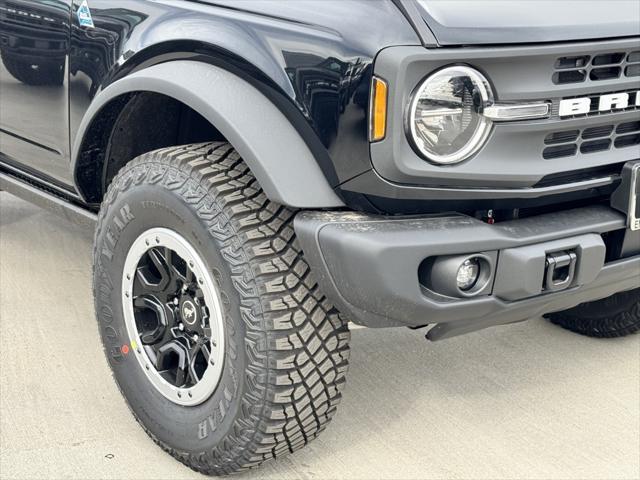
281 161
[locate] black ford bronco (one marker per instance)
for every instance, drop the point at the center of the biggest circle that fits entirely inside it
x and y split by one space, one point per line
261 172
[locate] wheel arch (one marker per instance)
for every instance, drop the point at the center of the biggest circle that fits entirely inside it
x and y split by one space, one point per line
275 151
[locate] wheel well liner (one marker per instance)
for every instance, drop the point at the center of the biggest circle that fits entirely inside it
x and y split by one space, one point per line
285 167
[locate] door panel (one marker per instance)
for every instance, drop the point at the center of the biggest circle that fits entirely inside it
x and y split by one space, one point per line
34 118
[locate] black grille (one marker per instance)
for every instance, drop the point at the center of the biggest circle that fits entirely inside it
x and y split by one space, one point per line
604 66
567 143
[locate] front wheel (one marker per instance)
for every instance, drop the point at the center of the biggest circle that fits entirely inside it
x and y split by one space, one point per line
616 316
216 331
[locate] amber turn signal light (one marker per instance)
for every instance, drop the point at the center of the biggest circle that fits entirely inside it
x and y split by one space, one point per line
378 110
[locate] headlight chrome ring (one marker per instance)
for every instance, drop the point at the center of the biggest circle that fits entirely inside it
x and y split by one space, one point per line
446 124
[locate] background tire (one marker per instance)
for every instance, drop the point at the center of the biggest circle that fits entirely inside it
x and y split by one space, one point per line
34 71
286 346
616 316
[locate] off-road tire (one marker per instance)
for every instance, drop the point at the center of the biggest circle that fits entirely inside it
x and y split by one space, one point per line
616 316
287 348
47 71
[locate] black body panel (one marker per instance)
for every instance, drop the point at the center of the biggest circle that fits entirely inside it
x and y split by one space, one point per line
314 62
34 121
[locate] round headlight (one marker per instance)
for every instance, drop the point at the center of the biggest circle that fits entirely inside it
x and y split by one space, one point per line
445 119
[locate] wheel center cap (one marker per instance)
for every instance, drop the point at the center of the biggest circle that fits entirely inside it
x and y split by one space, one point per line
188 312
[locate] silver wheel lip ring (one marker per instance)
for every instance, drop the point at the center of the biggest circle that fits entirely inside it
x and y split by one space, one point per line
164 237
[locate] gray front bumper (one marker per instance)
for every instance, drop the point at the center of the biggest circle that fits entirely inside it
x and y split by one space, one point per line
368 265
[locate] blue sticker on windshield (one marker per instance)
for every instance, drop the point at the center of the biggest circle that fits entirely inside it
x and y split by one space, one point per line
84 15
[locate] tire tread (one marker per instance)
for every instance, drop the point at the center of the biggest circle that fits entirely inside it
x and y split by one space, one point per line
297 343
616 316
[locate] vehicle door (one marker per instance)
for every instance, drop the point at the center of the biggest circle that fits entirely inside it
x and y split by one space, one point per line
34 115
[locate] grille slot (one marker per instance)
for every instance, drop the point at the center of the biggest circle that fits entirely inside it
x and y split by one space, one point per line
627 140
595 146
567 143
604 73
562 137
607 59
559 151
632 70
595 132
628 127
572 62
604 66
569 76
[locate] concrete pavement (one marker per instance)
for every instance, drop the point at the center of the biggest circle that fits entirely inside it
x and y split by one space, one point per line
523 401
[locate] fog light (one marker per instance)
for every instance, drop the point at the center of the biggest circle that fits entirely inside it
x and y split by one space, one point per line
468 274
459 276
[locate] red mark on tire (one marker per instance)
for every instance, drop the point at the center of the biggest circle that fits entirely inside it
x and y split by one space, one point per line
125 349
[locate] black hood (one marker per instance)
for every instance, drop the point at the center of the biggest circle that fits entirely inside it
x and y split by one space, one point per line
472 22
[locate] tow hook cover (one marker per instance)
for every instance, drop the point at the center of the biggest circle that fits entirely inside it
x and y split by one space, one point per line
548 267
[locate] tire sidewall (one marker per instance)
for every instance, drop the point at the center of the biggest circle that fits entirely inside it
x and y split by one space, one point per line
135 210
